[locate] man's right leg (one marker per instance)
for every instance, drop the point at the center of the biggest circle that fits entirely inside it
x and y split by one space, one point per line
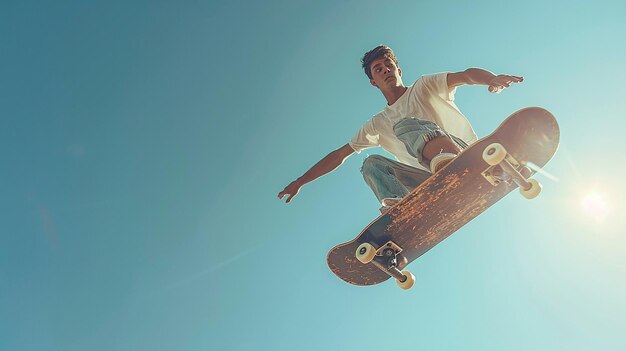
427 142
390 179
442 147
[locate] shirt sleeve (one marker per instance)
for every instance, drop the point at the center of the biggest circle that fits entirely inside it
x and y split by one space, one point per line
437 84
367 136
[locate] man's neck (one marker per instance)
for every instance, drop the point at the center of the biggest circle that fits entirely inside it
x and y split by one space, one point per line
394 94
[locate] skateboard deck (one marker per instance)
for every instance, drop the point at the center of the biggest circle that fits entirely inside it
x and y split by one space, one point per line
449 199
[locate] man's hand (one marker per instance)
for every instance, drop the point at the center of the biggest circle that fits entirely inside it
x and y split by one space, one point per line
325 165
498 83
291 190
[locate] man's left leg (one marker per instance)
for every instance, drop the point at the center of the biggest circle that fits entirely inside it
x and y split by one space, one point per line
391 180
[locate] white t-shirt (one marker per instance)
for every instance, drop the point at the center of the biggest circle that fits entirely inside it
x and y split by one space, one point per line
428 99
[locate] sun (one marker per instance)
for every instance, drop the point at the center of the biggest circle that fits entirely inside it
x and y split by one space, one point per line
596 205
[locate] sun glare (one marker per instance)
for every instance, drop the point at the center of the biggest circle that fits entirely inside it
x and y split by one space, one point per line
595 205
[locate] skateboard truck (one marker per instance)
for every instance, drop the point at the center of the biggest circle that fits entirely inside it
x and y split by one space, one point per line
501 162
386 259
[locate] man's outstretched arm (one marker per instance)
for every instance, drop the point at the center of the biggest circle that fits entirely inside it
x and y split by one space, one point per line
325 165
479 76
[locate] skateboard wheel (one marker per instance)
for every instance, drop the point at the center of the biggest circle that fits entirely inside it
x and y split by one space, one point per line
408 283
365 253
494 154
533 191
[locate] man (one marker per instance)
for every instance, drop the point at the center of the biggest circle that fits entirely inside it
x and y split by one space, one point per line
421 126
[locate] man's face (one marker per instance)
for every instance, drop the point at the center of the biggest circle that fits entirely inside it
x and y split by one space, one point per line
385 73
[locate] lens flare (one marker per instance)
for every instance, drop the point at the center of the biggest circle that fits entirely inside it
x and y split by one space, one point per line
596 206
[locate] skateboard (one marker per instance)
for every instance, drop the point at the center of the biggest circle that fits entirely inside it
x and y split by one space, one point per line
477 178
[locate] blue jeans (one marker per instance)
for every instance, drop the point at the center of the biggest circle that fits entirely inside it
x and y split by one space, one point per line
388 178
415 133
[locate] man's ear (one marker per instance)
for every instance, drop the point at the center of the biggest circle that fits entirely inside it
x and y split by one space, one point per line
399 71
372 82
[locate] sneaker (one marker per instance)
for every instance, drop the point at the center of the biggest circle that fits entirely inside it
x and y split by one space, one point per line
388 203
440 160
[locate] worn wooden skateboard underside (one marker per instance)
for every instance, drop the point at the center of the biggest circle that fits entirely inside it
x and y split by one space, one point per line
450 198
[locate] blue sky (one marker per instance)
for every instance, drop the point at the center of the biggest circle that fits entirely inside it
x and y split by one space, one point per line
144 144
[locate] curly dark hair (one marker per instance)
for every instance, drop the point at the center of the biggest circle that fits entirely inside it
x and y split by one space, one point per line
378 52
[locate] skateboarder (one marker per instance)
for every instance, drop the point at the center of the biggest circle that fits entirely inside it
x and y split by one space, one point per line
421 126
